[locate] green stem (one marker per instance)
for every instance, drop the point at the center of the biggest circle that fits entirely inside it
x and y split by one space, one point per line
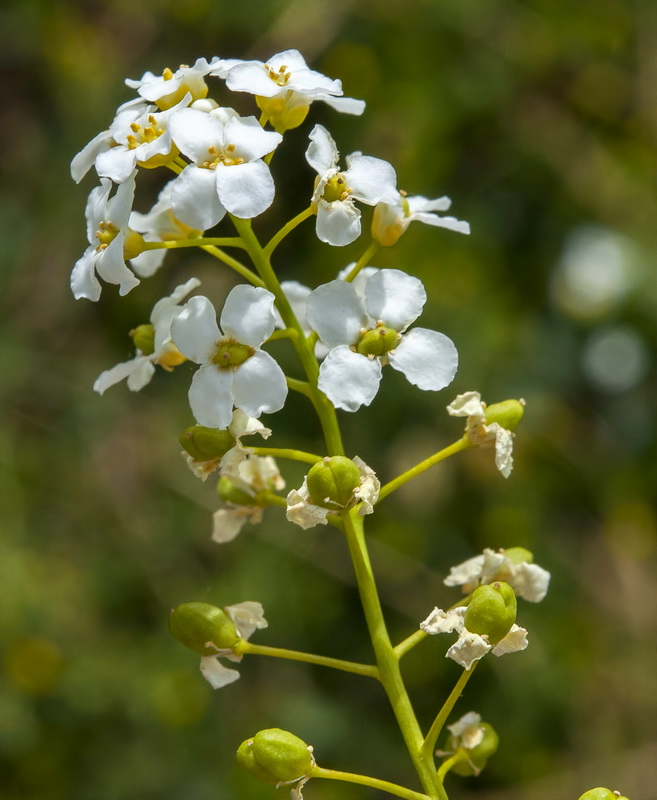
282 333
266 498
434 732
367 670
446 766
303 387
365 780
441 455
362 261
233 263
386 658
325 410
287 228
408 644
199 241
294 455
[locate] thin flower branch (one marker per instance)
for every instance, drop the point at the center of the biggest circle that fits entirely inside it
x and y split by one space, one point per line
367 670
366 780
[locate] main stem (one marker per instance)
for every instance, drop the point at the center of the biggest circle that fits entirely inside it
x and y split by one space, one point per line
323 406
386 658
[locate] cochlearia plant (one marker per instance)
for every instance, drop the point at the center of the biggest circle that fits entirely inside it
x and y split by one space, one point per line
215 166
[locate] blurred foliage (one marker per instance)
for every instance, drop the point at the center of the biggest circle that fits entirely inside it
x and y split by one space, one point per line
538 118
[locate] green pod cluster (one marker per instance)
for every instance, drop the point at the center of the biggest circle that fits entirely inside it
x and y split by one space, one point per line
196 624
492 611
331 482
276 756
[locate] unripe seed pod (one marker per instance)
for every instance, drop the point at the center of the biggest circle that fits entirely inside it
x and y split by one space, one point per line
507 414
492 611
206 444
144 338
477 756
230 493
331 482
276 756
519 555
378 341
197 624
601 794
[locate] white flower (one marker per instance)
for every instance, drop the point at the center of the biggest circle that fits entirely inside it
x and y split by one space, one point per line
526 579
366 330
247 617
467 732
240 425
370 180
169 88
140 369
303 512
286 77
85 159
228 173
158 225
470 647
138 137
249 475
107 227
234 371
469 405
391 221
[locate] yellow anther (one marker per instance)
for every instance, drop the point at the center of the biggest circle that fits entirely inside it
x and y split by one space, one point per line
167 74
135 127
151 119
132 142
230 148
212 150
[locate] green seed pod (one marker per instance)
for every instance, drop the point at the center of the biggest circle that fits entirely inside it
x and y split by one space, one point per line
230 493
601 794
334 189
331 482
492 611
144 338
508 413
232 354
477 756
276 756
519 555
206 444
378 341
196 624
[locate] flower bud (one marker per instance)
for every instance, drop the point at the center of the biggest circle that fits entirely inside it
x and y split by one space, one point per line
507 414
387 225
491 611
230 493
200 625
332 481
144 338
206 444
601 794
276 756
477 756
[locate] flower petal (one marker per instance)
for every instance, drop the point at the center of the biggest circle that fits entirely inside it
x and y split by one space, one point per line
513 642
428 359
322 153
338 223
302 513
395 297
348 379
371 180
210 396
248 315
246 190
440 621
250 140
216 674
531 582
451 223
467 572
259 385
84 282
194 198
345 105
503 448
139 366
336 313
196 134
467 404
195 331
248 617
468 648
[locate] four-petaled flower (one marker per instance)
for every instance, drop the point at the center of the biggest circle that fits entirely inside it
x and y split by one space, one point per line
368 179
390 221
140 369
234 371
228 173
470 647
365 331
107 229
528 580
247 617
170 87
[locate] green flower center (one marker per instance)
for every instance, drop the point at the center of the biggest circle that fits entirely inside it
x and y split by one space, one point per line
144 338
232 354
377 341
105 234
336 189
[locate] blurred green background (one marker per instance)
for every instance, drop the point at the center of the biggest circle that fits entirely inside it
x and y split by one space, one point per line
538 118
